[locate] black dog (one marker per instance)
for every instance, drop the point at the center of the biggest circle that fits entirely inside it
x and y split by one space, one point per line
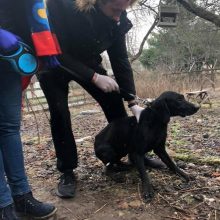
126 136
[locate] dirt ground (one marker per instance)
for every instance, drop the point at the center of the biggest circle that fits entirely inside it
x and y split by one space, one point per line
193 142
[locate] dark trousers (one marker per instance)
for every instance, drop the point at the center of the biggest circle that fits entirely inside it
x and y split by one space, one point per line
55 86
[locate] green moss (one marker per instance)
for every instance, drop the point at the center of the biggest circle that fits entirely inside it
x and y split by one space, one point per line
182 150
185 157
211 160
178 143
194 158
175 128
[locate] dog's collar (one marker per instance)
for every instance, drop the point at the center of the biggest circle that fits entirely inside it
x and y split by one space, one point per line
147 102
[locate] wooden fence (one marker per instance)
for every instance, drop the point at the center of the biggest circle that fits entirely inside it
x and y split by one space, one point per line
34 99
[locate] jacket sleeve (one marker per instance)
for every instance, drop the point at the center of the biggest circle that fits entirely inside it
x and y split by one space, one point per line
122 68
57 14
44 40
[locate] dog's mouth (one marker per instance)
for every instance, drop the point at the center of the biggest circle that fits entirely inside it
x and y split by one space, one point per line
188 112
183 112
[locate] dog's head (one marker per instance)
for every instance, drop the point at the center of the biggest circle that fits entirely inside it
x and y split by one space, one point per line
176 104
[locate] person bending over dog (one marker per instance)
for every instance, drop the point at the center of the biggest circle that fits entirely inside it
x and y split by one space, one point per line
85 29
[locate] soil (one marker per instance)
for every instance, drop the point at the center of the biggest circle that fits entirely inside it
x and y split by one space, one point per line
193 142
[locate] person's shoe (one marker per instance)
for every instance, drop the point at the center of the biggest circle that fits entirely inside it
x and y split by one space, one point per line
8 213
154 163
67 185
27 205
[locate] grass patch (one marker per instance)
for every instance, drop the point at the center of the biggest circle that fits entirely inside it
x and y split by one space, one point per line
183 151
211 160
175 129
190 157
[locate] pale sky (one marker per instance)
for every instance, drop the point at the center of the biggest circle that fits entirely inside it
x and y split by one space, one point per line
142 21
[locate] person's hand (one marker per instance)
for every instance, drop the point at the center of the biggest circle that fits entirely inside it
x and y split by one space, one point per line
136 110
50 62
105 83
8 42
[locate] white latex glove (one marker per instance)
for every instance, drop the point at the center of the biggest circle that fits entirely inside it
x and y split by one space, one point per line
105 83
136 110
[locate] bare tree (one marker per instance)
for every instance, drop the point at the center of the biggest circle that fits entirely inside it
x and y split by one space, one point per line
144 9
200 11
137 55
206 11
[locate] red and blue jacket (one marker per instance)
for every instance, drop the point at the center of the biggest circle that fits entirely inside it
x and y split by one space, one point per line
45 42
28 19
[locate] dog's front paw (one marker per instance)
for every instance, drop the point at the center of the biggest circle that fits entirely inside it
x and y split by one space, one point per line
185 176
191 177
148 195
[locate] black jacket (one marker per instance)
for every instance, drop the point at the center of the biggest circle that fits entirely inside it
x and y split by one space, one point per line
14 19
84 35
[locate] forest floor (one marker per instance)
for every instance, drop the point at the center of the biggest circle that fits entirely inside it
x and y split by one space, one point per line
193 142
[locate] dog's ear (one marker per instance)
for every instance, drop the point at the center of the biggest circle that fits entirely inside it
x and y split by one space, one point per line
162 110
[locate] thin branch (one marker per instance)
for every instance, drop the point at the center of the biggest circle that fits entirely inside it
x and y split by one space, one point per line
44 110
100 208
200 11
136 56
35 118
149 7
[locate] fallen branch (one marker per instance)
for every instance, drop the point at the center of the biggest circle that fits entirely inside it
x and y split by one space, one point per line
100 208
170 217
74 217
196 189
196 206
173 206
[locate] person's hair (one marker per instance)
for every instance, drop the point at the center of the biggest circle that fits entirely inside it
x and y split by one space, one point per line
105 1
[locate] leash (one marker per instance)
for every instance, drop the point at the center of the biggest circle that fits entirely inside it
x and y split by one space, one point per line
147 102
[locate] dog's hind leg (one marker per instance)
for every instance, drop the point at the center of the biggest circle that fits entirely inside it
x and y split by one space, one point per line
111 158
106 153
